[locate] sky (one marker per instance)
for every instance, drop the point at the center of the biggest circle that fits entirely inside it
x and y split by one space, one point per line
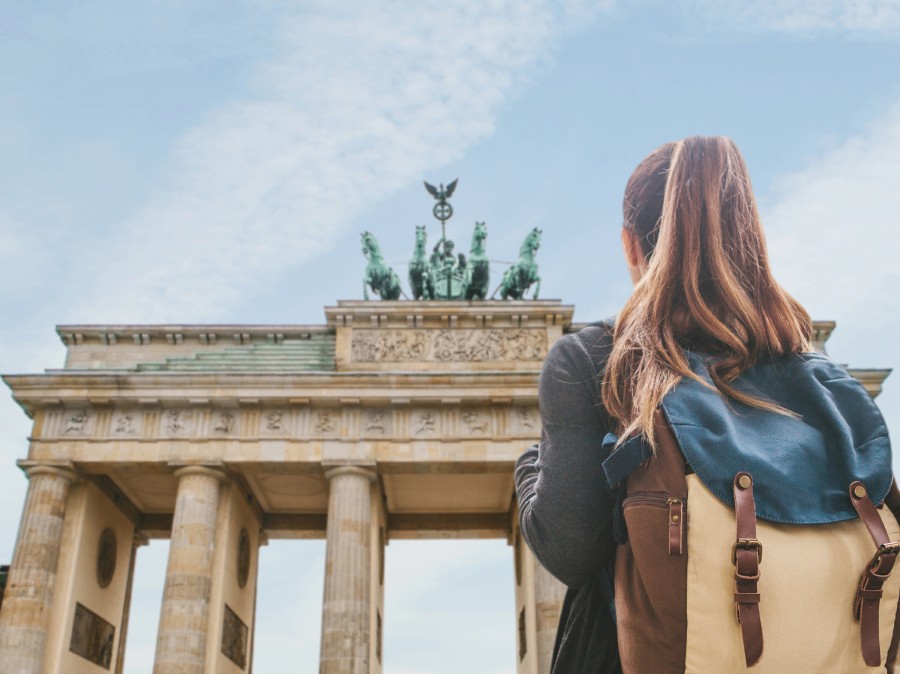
190 162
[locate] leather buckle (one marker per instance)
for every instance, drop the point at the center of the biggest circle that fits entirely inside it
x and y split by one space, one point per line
889 548
752 543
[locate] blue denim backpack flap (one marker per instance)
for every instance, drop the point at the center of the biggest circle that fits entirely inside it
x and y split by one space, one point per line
801 466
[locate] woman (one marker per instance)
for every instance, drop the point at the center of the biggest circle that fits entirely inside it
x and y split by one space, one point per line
696 252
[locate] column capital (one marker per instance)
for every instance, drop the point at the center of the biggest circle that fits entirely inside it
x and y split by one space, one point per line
336 471
63 469
216 471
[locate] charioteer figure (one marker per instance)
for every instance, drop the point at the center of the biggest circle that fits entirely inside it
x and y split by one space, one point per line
449 270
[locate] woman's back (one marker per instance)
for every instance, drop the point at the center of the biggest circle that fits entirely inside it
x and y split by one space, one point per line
706 382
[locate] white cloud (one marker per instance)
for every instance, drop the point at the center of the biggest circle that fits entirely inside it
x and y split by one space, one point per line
835 227
361 99
873 17
834 238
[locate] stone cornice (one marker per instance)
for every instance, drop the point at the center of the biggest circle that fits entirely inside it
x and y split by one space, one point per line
439 314
136 333
92 389
872 379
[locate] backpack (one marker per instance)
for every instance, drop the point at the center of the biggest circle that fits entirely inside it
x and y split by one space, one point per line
752 539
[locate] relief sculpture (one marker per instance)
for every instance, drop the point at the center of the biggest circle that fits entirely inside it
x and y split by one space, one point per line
274 421
525 418
325 423
92 637
125 425
77 422
225 424
175 423
235 643
370 346
475 422
375 421
426 423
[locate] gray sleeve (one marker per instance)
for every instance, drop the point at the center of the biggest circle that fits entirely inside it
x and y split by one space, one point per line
565 511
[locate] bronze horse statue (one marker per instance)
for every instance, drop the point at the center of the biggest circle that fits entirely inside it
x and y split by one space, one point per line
379 276
520 277
478 269
421 275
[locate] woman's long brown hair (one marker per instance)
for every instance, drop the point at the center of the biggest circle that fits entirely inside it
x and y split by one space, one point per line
707 287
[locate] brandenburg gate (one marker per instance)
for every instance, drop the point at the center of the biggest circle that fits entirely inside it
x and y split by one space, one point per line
395 419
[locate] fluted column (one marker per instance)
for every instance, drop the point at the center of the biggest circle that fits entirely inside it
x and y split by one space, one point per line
184 618
548 600
348 571
25 618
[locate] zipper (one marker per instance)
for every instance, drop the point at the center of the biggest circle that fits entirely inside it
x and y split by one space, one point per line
650 498
675 517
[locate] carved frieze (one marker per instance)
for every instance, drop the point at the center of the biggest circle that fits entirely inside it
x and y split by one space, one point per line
448 346
446 417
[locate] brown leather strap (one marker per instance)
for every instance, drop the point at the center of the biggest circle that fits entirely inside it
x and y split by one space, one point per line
676 525
746 556
878 570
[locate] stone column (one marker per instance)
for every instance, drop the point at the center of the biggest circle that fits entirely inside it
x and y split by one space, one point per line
138 541
548 600
263 540
184 618
348 571
27 604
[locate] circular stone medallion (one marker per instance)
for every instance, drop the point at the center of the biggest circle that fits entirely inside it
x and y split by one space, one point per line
243 560
106 557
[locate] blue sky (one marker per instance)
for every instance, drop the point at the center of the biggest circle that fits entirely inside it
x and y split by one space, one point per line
216 161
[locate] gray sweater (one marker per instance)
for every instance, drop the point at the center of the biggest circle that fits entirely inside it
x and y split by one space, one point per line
565 508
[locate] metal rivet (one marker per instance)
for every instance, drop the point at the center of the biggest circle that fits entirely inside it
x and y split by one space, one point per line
744 481
859 491
674 518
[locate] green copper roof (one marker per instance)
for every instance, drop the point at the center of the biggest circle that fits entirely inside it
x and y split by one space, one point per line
315 354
